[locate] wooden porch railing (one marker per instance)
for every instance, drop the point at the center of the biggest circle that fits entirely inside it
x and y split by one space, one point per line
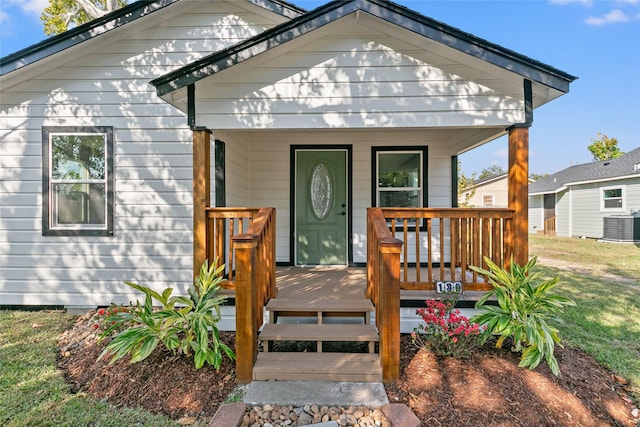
249 235
392 265
447 241
550 226
383 276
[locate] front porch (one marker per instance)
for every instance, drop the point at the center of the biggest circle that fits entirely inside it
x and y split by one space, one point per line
346 304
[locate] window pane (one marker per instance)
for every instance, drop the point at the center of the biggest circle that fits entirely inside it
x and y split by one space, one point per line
402 199
399 170
78 157
79 204
612 203
614 192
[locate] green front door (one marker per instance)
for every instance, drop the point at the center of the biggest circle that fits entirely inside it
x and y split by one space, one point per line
321 210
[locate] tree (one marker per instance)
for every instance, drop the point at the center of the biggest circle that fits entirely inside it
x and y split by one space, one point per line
537 176
465 192
61 14
491 171
604 148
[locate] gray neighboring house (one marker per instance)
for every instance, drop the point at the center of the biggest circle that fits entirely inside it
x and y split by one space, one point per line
595 200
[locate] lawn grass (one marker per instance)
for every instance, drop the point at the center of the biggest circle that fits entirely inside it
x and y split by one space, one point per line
33 391
605 284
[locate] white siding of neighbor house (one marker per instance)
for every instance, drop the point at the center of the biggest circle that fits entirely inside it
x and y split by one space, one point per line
498 188
269 169
586 212
107 85
563 213
349 77
536 214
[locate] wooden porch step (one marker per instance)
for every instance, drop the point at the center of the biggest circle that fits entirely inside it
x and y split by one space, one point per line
363 367
320 307
305 332
326 305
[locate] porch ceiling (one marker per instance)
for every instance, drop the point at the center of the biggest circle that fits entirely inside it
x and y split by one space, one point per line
456 140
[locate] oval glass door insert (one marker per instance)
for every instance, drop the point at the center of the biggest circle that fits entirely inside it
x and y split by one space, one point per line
320 191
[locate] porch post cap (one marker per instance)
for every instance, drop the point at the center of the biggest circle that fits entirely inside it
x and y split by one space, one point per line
519 126
201 129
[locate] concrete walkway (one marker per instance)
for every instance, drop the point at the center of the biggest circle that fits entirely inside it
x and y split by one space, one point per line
298 393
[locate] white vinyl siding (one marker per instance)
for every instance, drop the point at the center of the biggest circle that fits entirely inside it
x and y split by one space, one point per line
536 214
587 213
105 82
563 213
347 77
269 166
498 188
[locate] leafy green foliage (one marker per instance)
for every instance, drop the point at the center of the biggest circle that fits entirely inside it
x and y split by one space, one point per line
466 190
61 15
525 311
183 324
604 148
491 171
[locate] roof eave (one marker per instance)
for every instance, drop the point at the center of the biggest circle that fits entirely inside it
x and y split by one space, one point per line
77 35
609 178
543 192
385 10
111 21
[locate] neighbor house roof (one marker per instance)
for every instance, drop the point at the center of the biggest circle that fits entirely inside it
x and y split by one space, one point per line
109 22
628 165
382 9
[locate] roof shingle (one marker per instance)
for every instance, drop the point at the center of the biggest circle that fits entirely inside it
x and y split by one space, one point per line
625 165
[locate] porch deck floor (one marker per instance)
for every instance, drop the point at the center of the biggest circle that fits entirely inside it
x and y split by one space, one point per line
339 283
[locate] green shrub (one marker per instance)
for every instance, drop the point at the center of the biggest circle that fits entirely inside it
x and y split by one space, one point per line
183 324
524 312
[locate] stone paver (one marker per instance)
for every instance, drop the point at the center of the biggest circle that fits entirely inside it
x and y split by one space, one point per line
400 415
229 415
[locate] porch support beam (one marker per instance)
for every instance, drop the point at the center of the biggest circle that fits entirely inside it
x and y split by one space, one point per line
246 300
201 194
518 183
388 308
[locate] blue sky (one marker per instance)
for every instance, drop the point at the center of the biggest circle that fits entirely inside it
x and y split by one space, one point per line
597 41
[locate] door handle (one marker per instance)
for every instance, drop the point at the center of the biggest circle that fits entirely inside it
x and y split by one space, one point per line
342 213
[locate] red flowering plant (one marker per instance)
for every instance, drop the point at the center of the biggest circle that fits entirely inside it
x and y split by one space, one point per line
103 321
446 331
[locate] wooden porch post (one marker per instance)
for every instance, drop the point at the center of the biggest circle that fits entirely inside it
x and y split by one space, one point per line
518 193
388 308
201 194
246 300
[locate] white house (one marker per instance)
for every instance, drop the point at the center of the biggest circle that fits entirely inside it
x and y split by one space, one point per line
138 145
366 101
489 192
595 200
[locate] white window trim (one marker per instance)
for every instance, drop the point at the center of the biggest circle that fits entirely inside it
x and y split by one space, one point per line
623 197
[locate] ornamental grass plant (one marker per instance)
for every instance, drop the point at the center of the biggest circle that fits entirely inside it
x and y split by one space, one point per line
186 325
525 313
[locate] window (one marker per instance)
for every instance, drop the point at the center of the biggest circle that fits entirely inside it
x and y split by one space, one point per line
399 177
77 181
487 200
612 198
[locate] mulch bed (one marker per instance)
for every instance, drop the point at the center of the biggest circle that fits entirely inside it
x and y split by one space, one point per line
487 389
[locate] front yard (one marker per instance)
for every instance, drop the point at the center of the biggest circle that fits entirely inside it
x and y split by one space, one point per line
601 278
